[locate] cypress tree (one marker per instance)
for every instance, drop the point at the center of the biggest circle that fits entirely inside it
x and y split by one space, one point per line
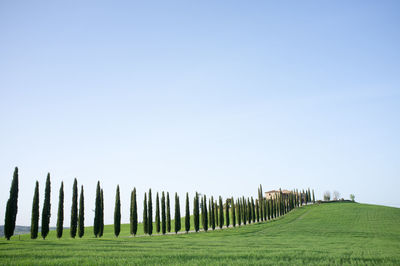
145 219
12 207
204 215
253 210
216 216
261 204
227 213
209 213
74 209
81 218
133 218
117 213
221 213
212 208
239 213
233 213
163 218
266 209
150 214
35 213
196 212
46 209
101 214
177 214
313 197
168 214
244 210
157 214
60 213
257 211
187 214
97 212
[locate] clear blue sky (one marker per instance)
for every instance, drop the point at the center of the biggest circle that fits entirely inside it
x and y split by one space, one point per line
199 96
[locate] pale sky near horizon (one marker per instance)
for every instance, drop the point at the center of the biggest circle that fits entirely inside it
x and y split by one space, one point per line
188 96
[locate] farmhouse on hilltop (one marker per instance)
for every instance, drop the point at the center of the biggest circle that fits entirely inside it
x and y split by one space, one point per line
274 193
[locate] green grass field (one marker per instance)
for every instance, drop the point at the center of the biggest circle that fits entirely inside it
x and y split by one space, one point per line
336 233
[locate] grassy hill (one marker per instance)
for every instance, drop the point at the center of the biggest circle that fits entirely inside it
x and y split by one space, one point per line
337 233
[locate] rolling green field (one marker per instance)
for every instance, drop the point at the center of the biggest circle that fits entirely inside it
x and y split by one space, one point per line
335 233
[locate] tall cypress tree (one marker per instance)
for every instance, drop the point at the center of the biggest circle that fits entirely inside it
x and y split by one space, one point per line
101 214
204 214
117 213
168 214
81 217
313 196
209 214
46 209
212 207
250 211
12 207
227 213
196 212
239 212
244 210
187 214
35 213
177 214
221 213
261 204
150 214
145 219
97 212
157 214
253 210
60 213
233 212
74 209
257 211
163 218
216 213
133 218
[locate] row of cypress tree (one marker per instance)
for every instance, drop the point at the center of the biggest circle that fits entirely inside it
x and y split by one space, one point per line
214 214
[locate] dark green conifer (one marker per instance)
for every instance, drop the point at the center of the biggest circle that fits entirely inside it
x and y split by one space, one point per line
46 209
117 213
221 213
212 207
74 209
238 212
244 210
257 211
313 196
177 214
133 214
253 210
150 214
60 213
97 212
163 215
187 214
12 207
145 219
204 214
101 214
168 214
196 213
227 213
157 214
35 213
81 217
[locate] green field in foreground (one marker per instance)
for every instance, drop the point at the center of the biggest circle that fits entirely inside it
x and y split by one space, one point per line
336 233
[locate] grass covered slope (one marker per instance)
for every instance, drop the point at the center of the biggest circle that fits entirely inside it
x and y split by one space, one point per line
337 233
